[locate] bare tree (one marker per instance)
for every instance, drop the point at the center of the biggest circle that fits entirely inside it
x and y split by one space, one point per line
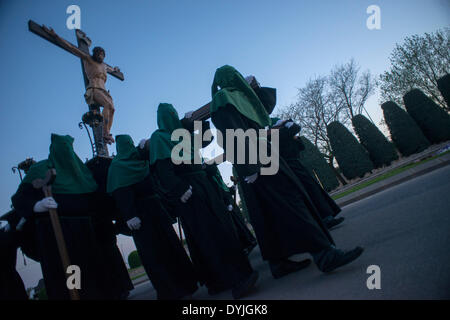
417 63
315 108
350 87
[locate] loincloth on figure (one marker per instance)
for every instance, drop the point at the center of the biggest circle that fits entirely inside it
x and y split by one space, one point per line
97 96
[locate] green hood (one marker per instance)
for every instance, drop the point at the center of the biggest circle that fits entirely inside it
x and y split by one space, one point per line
127 168
161 144
72 175
36 171
236 91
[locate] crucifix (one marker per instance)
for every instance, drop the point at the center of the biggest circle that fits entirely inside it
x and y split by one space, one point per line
95 74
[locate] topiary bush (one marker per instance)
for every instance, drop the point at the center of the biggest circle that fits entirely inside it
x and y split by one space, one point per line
134 260
444 88
433 120
381 151
314 161
405 133
351 156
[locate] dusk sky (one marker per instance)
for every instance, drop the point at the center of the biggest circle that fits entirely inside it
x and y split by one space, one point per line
168 52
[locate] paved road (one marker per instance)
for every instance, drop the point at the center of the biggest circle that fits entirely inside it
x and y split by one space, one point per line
405 230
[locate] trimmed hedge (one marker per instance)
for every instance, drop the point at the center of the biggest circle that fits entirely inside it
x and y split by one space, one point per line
313 160
381 151
444 88
432 119
351 156
405 133
134 260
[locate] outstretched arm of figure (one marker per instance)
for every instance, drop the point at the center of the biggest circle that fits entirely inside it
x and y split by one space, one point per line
67 45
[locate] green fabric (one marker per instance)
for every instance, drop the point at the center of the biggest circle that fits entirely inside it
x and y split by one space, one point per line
161 144
72 175
36 171
236 91
127 168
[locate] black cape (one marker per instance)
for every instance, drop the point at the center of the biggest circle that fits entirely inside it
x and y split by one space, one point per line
290 148
162 255
285 220
214 248
76 214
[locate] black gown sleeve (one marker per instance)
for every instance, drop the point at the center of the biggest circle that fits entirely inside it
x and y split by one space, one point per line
173 187
229 118
25 198
126 202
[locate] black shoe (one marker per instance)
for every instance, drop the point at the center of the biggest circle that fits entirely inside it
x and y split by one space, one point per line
337 258
244 287
280 269
334 222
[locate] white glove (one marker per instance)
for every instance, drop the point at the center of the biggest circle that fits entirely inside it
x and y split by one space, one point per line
45 204
134 223
6 227
142 143
252 178
188 115
230 207
20 224
185 197
289 124
279 122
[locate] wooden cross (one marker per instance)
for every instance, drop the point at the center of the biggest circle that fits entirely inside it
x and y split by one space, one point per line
82 49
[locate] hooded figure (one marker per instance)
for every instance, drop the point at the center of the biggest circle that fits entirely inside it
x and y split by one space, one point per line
246 238
73 197
290 147
11 284
163 257
285 220
215 250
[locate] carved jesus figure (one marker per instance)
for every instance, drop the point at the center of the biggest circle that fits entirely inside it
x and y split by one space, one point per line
96 72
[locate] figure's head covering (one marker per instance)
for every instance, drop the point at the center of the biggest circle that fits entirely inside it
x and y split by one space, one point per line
161 144
127 168
72 175
229 87
36 171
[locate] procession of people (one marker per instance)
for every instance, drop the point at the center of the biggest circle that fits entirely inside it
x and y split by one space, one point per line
143 192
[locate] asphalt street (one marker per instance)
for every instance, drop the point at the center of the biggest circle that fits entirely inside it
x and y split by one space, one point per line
405 230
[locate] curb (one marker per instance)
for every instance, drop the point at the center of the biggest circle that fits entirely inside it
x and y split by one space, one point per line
392 184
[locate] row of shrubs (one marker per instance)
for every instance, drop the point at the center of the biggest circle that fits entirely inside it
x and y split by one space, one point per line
412 131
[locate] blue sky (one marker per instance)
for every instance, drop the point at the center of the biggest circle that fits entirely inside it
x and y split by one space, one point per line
168 52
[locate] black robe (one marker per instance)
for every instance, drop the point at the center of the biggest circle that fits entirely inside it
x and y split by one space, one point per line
75 213
290 148
214 248
162 255
283 216
119 280
11 284
244 235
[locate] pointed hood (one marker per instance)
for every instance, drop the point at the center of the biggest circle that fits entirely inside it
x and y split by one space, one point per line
229 87
161 144
127 168
72 175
